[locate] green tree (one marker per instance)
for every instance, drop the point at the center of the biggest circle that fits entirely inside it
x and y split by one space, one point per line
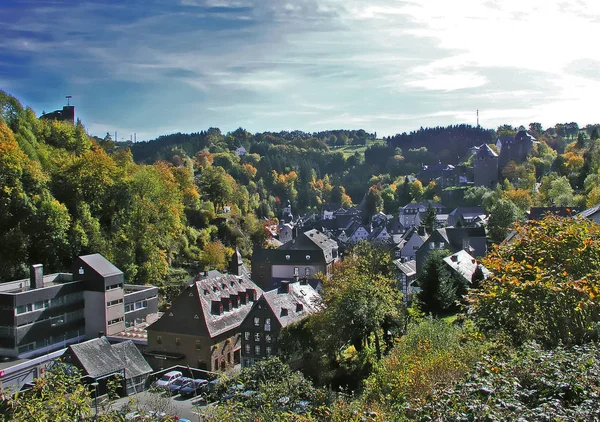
373 201
430 219
439 289
503 215
561 192
215 185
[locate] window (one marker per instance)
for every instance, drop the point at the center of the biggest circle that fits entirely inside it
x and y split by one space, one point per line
57 321
24 308
268 338
247 335
41 305
114 302
432 245
248 349
267 324
257 350
256 321
296 271
158 339
284 312
268 350
198 345
27 347
115 321
128 307
256 336
307 271
177 341
114 286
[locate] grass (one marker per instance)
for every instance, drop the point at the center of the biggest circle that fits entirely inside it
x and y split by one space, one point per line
450 319
349 150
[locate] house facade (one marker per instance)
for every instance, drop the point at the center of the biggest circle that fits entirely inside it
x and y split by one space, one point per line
201 329
274 310
310 253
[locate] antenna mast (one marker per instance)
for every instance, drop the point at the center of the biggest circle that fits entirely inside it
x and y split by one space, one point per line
477 118
68 97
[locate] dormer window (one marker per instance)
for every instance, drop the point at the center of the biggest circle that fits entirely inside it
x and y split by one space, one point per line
299 307
216 307
284 312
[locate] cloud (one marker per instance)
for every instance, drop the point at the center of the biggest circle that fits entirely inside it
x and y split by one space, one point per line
387 65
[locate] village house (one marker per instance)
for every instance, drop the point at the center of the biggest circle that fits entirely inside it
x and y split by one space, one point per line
274 310
201 329
310 253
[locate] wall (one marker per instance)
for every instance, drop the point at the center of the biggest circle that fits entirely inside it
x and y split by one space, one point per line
287 271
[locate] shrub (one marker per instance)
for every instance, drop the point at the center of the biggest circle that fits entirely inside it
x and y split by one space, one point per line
432 354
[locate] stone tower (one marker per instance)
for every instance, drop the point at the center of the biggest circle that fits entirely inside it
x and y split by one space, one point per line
485 167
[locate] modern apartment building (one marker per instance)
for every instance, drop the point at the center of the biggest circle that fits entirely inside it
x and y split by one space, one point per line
48 312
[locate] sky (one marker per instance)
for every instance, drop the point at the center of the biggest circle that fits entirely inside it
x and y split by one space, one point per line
155 67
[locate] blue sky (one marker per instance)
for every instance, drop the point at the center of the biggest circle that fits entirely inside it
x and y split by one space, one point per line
161 66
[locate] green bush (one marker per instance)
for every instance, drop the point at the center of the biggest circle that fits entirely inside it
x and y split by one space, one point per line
527 384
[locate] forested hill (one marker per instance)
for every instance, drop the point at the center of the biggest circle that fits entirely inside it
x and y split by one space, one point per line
149 151
449 142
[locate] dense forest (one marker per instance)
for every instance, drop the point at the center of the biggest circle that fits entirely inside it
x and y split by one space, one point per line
157 209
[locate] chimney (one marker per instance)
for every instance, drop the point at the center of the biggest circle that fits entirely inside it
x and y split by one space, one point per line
36 276
295 278
304 281
100 334
421 231
454 258
285 287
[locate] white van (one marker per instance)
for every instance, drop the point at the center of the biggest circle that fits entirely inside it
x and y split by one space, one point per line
168 378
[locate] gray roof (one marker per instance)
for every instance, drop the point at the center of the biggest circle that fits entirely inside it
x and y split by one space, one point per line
464 264
485 151
409 268
135 364
97 357
590 211
100 264
302 294
216 288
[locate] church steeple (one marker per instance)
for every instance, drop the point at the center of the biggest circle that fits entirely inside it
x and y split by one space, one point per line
236 264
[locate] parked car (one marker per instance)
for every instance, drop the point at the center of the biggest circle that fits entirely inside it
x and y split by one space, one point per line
176 385
193 388
232 391
168 378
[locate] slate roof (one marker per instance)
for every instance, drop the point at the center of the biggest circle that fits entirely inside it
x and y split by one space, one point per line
485 151
297 294
590 211
464 264
97 357
135 364
409 268
311 240
101 265
217 288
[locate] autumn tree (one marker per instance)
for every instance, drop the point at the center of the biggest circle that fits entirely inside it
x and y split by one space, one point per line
543 284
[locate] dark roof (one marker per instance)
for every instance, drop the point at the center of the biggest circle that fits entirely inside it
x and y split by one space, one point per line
311 240
537 213
135 364
304 295
97 357
409 268
523 135
100 264
275 283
